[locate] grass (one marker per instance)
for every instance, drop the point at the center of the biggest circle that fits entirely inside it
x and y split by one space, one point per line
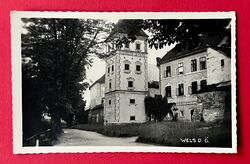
218 134
195 134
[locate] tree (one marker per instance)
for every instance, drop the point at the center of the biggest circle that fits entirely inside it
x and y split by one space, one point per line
157 107
188 33
58 51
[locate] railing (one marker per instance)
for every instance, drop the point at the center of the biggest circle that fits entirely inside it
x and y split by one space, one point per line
39 139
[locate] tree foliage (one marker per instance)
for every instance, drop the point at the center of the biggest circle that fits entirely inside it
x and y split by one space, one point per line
55 53
157 107
185 33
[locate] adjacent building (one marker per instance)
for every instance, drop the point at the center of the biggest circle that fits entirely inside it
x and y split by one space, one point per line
96 106
185 72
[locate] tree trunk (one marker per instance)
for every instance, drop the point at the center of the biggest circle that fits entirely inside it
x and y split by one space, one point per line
56 127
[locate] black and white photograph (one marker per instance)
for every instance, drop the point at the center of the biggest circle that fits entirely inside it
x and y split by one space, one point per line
124 82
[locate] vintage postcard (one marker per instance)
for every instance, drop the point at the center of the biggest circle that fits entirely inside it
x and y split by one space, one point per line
124 82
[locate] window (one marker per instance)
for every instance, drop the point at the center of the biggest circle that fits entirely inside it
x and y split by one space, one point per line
138 68
180 90
132 101
130 84
202 63
168 91
112 68
109 102
181 113
127 45
126 66
109 48
108 69
193 65
180 68
222 62
138 46
203 84
194 87
118 46
132 118
110 85
168 71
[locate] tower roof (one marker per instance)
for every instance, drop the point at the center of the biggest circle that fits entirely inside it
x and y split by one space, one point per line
127 26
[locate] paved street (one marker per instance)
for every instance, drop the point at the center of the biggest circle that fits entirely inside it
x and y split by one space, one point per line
75 137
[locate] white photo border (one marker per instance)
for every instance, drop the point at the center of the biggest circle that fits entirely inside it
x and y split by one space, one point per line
17 76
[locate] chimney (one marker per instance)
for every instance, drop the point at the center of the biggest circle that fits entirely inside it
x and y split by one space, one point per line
158 59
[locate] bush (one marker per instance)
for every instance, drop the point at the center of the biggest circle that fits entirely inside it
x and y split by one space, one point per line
121 130
89 127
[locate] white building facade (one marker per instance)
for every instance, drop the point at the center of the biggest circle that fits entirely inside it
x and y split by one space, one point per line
126 82
183 75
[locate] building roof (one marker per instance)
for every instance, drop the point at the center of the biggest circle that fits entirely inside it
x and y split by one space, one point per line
216 42
222 86
100 80
125 26
98 107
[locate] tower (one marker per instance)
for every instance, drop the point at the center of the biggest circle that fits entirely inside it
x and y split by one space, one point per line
126 80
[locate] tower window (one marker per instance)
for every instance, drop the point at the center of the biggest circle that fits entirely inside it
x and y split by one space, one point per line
132 101
112 68
132 118
222 62
193 65
202 63
108 69
138 46
110 85
109 102
181 113
138 68
126 66
130 84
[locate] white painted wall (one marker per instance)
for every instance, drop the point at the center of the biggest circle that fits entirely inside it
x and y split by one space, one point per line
215 72
96 94
120 109
139 79
127 109
187 78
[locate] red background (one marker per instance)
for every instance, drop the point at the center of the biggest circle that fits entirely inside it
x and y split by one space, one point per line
243 34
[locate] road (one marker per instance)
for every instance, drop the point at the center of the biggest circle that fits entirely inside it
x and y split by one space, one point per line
75 137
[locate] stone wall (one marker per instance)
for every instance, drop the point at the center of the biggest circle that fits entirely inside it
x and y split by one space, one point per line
212 105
